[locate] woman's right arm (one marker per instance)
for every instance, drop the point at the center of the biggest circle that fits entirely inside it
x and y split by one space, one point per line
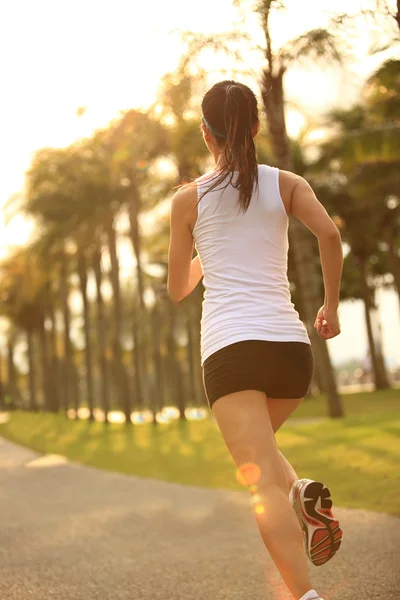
305 206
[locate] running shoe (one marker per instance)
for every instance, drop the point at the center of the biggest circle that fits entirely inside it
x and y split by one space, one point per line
322 535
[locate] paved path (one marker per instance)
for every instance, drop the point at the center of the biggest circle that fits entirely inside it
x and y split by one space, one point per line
71 532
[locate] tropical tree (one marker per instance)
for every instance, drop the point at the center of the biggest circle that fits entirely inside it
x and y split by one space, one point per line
78 195
101 329
178 103
23 301
317 44
68 193
135 141
356 176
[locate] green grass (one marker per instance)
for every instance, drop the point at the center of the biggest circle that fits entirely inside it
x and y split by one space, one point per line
380 403
357 457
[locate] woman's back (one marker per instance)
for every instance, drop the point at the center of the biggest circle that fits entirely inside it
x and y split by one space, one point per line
244 260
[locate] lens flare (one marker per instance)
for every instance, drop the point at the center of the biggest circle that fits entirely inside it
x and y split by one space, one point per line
259 509
256 499
248 474
142 165
274 582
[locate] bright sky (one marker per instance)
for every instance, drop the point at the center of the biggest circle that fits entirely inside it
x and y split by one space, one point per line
111 55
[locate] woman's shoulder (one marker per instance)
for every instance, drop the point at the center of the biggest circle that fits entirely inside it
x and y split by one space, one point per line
206 177
287 181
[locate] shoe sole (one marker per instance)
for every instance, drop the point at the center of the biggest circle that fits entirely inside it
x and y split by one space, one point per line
322 533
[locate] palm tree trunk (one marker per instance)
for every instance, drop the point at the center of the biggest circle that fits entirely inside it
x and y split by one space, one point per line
158 394
2 387
393 256
176 370
31 373
317 382
121 376
101 336
55 371
377 334
134 211
197 298
82 272
190 356
12 385
137 363
274 104
273 99
45 366
380 376
142 332
67 370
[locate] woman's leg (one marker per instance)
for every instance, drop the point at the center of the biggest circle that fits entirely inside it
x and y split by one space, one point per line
290 472
280 410
244 421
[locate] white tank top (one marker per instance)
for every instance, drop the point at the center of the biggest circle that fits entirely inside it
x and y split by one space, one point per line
244 260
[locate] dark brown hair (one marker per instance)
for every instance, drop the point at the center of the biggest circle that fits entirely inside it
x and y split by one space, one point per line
230 112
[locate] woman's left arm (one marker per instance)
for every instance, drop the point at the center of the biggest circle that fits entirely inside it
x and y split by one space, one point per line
184 273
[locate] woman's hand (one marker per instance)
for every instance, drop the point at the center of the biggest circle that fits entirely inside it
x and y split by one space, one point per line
327 323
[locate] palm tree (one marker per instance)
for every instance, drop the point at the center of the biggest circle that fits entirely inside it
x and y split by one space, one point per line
361 230
73 194
23 295
316 44
83 278
156 320
2 388
120 375
361 254
135 141
190 355
382 100
360 164
101 326
67 365
175 103
175 370
12 383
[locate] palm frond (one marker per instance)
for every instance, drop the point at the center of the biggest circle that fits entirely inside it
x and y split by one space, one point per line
362 146
387 75
314 45
224 42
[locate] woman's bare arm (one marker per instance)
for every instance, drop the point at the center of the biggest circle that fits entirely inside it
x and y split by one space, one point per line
305 206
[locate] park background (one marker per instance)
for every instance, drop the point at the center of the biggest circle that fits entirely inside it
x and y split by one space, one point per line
100 120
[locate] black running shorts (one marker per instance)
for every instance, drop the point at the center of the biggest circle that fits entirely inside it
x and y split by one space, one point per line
280 369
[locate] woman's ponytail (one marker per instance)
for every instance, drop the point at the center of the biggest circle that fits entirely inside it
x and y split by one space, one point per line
230 112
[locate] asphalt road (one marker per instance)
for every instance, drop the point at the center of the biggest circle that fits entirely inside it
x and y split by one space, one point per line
71 532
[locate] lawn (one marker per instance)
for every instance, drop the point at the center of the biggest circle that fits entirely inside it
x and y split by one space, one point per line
357 457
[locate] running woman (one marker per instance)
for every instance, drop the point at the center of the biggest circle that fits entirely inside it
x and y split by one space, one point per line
255 352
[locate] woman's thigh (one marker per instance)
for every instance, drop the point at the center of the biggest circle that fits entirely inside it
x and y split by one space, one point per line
244 421
280 410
